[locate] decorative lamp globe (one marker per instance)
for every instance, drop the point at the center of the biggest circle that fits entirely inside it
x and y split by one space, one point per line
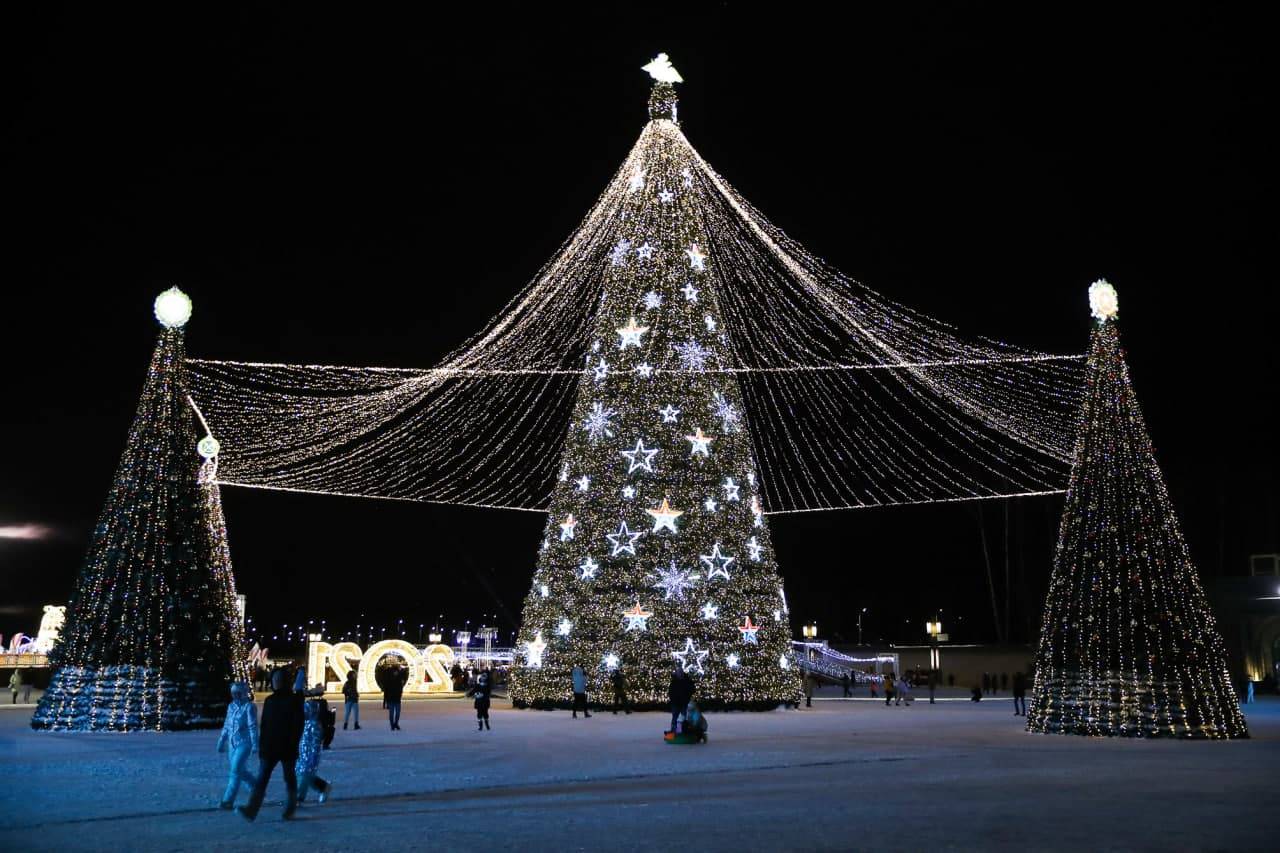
173 308
208 447
1103 302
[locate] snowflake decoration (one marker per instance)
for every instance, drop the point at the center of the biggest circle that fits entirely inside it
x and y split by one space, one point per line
692 355
618 256
732 660
533 650
652 300
597 422
564 628
730 420
674 581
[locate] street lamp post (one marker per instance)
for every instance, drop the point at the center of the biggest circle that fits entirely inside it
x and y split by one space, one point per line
860 612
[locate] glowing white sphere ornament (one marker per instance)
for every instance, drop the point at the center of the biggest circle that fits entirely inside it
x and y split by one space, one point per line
173 308
208 447
1103 302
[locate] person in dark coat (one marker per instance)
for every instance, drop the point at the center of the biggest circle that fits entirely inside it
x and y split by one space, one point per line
679 693
844 683
391 694
1019 694
620 700
351 700
482 689
279 733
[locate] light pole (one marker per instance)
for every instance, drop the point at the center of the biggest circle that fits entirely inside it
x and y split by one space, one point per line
860 612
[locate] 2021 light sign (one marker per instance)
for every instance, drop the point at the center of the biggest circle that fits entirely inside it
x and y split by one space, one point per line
428 668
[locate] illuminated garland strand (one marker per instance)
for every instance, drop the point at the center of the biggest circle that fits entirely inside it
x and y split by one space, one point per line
856 400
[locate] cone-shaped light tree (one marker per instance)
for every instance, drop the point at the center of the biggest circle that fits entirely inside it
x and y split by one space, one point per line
656 550
152 634
1129 645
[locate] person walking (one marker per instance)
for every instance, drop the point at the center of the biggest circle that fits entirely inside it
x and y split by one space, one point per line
933 685
15 684
350 701
1019 695
239 739
314 711
679 693
808 689
844 684
904 691
619 681
281 730
391 693
482 690
889 688
579 677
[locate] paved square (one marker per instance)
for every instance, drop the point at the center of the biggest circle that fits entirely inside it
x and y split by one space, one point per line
841 775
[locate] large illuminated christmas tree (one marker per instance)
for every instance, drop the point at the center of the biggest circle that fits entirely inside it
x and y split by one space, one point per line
152 634
656 549
1129 645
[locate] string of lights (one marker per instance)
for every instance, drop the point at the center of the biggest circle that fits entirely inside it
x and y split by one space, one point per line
854 400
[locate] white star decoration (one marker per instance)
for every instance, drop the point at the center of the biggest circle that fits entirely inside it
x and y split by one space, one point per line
533 650
564 627
710 323
669 414
690 292
666 196
630 334
652 300
624 541
754 548
588 567
644 369
709 504
749 631
710 611
688 177
611 661
637 618
664 516
628 492
544 590
697 259
732 660
717 563
645 251
637 180
674 581
730 489
584 483
690 652
601 370
701 444
640 458
566 527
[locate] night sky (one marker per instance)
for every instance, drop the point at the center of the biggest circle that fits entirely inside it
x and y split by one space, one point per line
369 191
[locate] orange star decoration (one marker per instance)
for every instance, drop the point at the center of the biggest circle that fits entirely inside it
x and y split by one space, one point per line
665 516
749 631
637 618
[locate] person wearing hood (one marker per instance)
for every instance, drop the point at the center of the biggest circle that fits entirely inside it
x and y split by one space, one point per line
239 739
313 712
351 700
281 729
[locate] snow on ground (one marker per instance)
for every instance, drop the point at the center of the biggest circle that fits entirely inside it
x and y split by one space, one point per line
843 774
